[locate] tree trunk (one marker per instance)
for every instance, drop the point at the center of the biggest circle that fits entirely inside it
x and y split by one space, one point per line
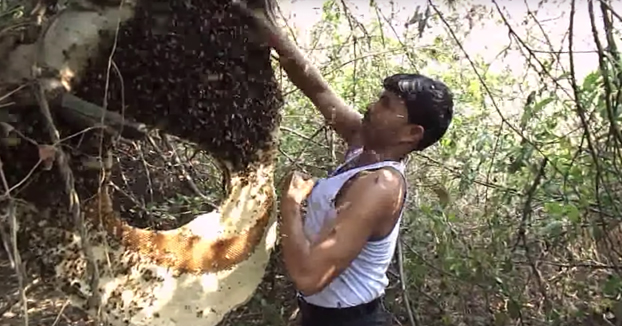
186 68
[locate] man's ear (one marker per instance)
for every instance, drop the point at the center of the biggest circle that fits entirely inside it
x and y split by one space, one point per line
413 134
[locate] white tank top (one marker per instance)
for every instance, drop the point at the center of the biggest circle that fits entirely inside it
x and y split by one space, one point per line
365 279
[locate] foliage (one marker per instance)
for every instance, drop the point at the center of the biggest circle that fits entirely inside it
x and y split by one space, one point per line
513 216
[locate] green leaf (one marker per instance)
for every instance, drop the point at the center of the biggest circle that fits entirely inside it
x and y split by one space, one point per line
613 286
540 105
554 209
589 82
573 214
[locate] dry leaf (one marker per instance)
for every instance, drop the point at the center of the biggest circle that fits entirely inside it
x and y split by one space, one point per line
47 154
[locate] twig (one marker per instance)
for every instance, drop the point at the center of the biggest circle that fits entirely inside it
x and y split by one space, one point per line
522 231
60 313
613 12
74 199
290 159
412 317
12 302
14 251
6 195
297 159
139 148
481 79
28 177
527 206
88 114
5 243
581 111
13 91
84 114
604 69
128 196
303 136
182 167
19 270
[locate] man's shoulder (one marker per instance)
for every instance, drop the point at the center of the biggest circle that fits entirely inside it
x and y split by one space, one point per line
380 184
385 177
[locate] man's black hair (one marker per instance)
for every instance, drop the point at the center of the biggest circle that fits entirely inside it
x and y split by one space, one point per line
429 103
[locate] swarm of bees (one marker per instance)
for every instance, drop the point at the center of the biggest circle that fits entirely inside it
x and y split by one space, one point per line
187 67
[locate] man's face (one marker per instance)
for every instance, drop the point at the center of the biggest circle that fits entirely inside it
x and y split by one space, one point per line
385 122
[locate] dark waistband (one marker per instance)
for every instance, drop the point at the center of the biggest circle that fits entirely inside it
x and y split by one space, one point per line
338 313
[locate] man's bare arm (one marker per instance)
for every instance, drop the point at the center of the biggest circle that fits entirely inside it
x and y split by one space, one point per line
367 201
342 118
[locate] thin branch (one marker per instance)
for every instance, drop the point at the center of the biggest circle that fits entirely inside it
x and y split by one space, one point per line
182 168
412 317
299 156
74 199
487 89
87 114
529 198
14 254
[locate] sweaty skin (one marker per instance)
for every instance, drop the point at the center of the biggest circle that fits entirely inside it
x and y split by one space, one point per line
369 207
342 118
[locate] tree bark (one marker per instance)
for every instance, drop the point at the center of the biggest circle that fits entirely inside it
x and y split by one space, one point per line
184 67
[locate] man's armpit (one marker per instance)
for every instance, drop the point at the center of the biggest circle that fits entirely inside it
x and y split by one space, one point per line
339 203
352 151
328 226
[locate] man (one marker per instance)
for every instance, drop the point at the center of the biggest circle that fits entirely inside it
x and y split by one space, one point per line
338 255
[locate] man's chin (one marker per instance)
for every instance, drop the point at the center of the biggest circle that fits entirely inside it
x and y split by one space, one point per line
368 137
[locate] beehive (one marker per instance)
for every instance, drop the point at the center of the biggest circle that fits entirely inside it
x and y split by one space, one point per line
190 69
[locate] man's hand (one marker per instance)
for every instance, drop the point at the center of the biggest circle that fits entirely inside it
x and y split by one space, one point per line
302 73
296 187
369 203
267 28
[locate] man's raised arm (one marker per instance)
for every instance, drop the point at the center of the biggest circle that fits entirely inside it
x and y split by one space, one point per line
342 118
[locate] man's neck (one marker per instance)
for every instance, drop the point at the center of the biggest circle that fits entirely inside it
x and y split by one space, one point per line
370 156
367 157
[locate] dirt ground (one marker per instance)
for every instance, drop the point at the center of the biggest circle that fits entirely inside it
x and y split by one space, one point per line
272 305
45 305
